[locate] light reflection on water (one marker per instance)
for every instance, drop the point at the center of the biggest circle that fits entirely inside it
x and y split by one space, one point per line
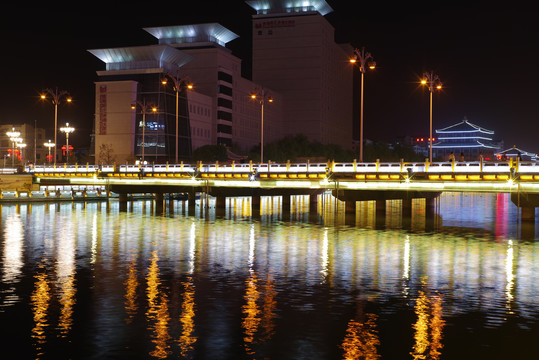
97 283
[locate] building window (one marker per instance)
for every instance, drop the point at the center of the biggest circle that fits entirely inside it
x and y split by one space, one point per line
223 89
224 77
224 115
224 103
225 129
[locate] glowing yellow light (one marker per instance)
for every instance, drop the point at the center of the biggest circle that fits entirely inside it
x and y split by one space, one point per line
353 60
423 82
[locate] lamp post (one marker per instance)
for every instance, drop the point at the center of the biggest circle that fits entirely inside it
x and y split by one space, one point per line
260 94
177 88
362 58
21 146
56 97
144 109
49 145
67 130
14 137
432 81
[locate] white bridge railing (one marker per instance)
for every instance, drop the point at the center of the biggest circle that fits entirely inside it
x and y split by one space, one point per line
291 168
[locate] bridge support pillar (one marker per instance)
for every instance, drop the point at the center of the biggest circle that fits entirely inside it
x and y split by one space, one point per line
406 208
220 202
286 206
380 206
350 206
159 200
123 201
255 204
313 203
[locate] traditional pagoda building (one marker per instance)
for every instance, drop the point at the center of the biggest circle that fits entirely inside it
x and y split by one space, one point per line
467 139
516 153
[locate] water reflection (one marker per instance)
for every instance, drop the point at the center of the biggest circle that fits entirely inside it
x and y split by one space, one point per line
40 300
12 259
428 328
361 340
135 285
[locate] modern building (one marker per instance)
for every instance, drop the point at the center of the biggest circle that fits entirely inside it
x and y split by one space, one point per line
467 139
296 62
295 53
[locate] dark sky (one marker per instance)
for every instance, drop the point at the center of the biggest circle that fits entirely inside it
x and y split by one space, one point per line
486 56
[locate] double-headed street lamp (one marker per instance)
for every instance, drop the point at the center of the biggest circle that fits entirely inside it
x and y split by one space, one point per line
144 108
14 137
177 81
361 58
260 95
49 145
67 130
21 146
56 97
433 82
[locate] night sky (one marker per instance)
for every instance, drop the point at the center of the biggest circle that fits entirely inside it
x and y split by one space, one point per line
486 56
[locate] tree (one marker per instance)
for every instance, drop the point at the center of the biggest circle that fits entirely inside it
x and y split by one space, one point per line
106 154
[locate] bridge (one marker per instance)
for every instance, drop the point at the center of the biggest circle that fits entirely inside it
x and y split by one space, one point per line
348 182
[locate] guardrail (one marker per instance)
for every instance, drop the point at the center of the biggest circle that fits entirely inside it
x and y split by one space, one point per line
393 170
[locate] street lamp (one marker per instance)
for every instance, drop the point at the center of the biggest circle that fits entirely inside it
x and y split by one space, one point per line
177 88
260 94
21 146
144 108
362 58
67 130
56 97
433 82
14 137
49 145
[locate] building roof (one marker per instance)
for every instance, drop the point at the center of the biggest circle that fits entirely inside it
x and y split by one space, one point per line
467 144
514 151
141 57
182 34
463 127
264 7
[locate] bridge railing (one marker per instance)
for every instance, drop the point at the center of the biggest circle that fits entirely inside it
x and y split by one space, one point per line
473 167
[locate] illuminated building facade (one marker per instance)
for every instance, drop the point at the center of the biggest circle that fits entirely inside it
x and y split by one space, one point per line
467 139
295 61
295 53
133 77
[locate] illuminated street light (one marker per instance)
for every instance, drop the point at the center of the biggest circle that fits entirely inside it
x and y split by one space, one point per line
21 146
260 95
361 58
56 97
433 82
144 109
177 88
14 137
67 130
49 145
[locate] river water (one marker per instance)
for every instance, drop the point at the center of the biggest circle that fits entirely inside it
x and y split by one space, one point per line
87 281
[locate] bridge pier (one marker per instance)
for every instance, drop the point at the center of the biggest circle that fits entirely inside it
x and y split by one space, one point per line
255 204
159 203
350 207
122 200
313 203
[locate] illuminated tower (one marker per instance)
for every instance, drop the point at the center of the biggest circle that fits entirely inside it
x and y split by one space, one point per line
295 53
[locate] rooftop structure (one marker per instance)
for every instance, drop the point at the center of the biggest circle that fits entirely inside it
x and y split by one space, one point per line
267 7
197 33
141 57
465 138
